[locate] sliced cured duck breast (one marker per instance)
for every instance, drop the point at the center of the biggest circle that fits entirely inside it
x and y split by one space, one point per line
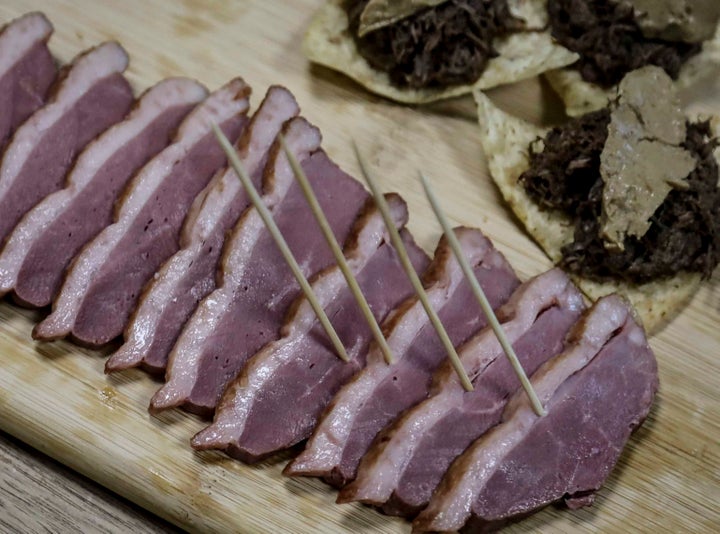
90 95
291 380
402 469
27 70
104 282
596 393
255 285
40 248
380 392
189 276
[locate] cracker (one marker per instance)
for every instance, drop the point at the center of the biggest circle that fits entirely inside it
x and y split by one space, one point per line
581 97
505 140
521 55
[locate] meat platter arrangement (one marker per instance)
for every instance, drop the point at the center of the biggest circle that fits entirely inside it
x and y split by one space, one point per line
125 232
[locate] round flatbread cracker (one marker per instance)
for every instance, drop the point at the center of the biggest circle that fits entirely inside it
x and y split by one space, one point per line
521 54
581 97
505 140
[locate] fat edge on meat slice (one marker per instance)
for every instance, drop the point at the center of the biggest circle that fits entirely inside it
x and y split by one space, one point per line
27 70
255 286
596 393
291 380
189 275
402 469
377 394
46 239
104 281
90 95
185 359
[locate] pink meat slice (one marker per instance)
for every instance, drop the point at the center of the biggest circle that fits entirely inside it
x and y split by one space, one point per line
401 470
40 248
91 96
189 275
255 285
27 70
380 392
596 393
105 280
291 380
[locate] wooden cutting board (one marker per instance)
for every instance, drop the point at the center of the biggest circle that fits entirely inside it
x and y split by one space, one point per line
56 398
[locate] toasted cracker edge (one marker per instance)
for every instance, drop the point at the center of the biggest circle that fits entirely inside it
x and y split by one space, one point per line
582 97
522 55
505 141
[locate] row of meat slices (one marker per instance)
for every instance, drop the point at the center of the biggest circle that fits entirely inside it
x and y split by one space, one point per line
122 214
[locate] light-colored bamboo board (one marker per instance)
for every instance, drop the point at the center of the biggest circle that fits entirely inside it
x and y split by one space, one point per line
56 398
30 482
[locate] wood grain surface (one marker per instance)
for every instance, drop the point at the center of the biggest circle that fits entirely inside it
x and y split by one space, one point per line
56 398
39 495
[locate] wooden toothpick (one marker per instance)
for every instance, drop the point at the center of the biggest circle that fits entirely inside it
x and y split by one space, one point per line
337 252
279 240
412 275
482 299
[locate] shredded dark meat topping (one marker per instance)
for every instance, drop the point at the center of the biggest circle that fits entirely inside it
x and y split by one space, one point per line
610 42
564 174
560 177
445 45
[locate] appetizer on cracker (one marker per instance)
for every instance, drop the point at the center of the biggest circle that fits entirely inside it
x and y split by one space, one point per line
418 51
625 198
614 37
